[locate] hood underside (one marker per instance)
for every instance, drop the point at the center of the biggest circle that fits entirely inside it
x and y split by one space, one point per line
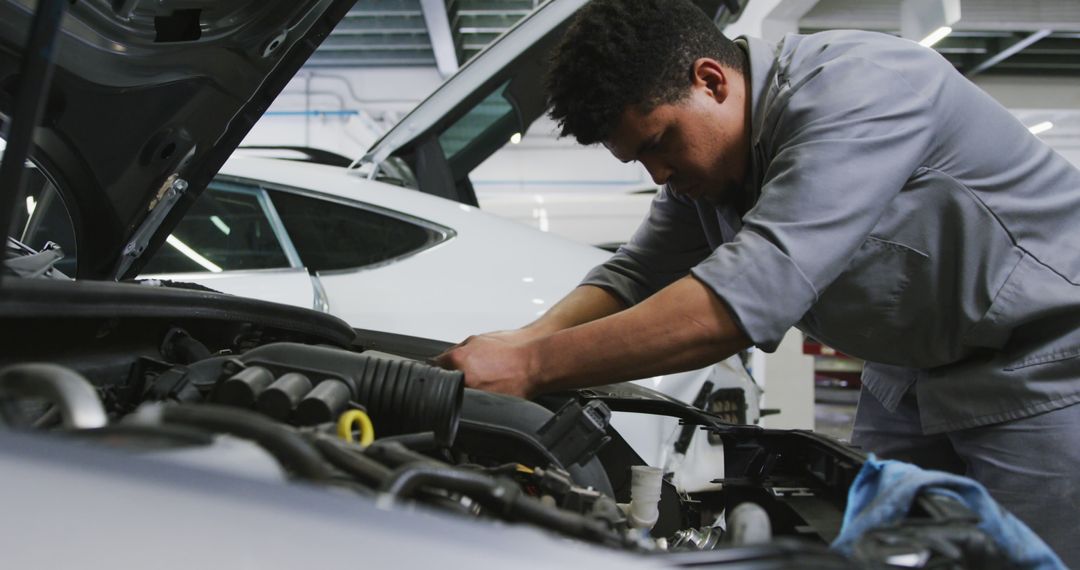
145 93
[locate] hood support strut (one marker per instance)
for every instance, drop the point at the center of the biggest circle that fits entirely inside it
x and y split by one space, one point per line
167 197
35 73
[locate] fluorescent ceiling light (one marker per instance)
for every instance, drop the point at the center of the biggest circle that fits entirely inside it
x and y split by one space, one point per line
1041 127
31 205
928 21
192 254
935 36
221 225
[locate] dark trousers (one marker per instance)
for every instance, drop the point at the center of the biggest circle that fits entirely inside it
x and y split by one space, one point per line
1031 466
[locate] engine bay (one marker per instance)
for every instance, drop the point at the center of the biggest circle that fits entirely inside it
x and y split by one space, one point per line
290 396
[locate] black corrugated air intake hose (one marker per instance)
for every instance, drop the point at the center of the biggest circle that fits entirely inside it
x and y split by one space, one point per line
401 396
407 396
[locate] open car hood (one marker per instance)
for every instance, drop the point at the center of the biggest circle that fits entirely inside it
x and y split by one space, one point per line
518 57
148 96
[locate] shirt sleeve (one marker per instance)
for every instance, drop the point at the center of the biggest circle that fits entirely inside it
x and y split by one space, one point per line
846 137
663 249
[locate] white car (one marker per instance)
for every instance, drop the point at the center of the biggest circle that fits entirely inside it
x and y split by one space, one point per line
391 259
378 256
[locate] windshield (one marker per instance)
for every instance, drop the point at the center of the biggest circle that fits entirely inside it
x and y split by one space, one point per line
484 129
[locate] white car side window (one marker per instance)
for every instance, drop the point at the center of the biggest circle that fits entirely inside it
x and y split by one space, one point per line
331 236
227 229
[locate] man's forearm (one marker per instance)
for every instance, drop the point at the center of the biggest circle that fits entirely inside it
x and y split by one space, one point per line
582 305
681 327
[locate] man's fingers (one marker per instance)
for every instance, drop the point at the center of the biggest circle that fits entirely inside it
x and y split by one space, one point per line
448 361
445 359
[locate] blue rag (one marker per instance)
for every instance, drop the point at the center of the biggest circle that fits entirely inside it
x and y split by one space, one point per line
883 492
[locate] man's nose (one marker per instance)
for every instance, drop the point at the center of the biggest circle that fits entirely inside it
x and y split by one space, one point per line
659 171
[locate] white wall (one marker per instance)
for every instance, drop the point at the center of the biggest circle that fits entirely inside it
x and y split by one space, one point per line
342 110
1037 99
544 163
787 376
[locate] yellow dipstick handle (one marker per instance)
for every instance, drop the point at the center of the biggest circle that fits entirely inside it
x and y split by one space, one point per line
345 427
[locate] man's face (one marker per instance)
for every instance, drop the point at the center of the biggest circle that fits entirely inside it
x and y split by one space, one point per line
698 146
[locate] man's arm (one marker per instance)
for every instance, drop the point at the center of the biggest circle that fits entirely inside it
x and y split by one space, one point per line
667 244
584 304
683 326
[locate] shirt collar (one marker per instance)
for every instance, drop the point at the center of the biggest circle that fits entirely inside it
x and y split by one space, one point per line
761 56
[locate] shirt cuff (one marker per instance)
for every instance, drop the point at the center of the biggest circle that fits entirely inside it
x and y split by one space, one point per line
761 285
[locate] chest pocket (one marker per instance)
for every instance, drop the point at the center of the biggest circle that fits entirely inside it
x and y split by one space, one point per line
881 308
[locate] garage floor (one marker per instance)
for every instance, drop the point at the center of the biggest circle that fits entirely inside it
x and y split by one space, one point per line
834 411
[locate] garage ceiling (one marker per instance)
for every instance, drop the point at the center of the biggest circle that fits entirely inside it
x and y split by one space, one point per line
1040 37
386 33
993 36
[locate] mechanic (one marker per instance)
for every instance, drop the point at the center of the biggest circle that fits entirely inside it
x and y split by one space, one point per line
853 185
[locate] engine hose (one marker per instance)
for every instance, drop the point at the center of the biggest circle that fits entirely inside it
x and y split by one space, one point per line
74 395
531 510
404 481
287 446
406 397
502 496
423 441
180 347
352 462
395 454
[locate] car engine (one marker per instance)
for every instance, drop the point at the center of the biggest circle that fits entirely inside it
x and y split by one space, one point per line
291 396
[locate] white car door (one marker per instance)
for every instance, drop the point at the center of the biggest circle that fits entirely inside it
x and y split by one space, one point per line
232 241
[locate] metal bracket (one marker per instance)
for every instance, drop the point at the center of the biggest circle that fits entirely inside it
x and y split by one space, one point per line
163 203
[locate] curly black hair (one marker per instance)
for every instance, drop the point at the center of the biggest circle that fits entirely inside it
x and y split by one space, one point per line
618 53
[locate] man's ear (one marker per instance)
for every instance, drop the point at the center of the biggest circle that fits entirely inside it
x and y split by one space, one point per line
709 74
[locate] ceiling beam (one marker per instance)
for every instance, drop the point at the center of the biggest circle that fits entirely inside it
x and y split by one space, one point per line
770 19
442 38
1008 51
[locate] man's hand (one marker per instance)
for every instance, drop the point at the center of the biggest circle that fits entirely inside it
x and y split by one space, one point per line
504 361
682 327
501 362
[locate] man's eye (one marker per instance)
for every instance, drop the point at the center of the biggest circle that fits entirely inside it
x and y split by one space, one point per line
657 144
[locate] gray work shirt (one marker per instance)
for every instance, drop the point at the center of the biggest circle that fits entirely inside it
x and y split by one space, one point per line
896 213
